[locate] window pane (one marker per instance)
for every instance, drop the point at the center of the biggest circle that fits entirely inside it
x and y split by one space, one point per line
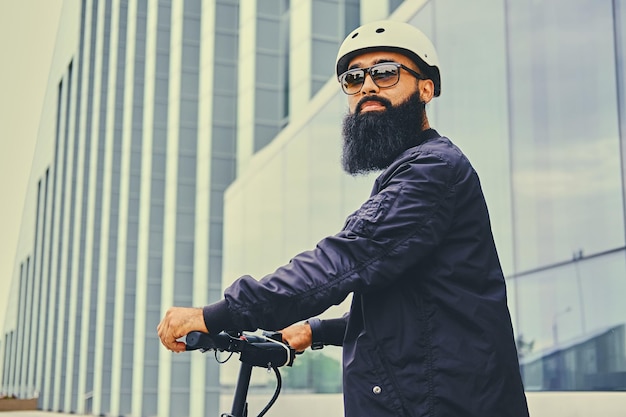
565 139
573 336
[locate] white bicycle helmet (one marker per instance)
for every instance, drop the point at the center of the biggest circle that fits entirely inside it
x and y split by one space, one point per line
390 35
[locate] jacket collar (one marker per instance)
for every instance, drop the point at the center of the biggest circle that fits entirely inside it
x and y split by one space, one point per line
427 134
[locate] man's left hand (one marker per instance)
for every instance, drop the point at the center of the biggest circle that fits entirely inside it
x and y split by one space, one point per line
298 336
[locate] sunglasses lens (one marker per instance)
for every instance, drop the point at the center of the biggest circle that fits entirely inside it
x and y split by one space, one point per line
385 75
353 80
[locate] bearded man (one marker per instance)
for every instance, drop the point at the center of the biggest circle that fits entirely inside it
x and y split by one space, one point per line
429 332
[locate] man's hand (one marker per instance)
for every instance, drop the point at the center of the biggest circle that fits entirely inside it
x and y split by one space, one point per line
298 336
179 321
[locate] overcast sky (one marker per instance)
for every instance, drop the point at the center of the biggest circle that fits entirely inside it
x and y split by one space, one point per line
27 36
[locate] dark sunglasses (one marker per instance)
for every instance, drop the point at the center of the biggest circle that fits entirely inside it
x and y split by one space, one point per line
384 75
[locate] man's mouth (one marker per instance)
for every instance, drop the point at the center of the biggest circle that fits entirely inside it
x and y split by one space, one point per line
371 104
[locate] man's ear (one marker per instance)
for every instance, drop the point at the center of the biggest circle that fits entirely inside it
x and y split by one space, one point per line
427 90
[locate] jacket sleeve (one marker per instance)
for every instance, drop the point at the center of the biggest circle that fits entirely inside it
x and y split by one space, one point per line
333 330
407 215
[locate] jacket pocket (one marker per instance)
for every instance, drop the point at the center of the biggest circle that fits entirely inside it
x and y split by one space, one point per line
386 388
371 214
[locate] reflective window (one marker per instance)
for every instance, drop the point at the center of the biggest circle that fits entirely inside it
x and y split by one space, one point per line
222 172
187 167
267 72
264 135
564 130
189 84
572 328
226 77
228 16
268 34
223 140
324 54
325 17
225 44
224 109
188 112
266 100
272 7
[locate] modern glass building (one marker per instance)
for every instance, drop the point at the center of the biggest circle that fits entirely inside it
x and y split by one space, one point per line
185 143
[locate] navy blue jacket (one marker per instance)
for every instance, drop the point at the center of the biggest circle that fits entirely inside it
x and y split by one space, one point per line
429 331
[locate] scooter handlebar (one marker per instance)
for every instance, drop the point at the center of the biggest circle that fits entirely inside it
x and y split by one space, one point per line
267 350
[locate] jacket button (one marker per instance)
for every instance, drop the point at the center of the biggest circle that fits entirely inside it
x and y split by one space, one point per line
377 390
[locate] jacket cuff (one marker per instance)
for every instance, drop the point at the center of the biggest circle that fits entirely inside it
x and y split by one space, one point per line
317 333
217 317
334 330
327 332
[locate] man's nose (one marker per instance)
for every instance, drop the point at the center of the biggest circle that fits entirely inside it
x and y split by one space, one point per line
369 86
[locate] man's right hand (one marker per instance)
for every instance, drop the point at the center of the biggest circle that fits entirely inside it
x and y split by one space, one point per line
179 321
298 336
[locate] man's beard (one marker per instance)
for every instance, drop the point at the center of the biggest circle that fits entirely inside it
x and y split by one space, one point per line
374 139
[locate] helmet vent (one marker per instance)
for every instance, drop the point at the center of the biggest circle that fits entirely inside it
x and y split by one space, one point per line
380 30
355 35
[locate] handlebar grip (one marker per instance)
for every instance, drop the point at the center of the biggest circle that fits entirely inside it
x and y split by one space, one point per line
199 340
267 354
